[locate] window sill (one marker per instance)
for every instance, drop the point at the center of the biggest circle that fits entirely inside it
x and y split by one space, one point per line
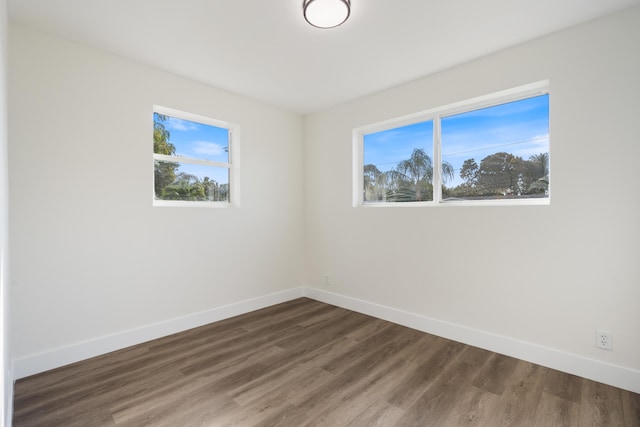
186 204
466 203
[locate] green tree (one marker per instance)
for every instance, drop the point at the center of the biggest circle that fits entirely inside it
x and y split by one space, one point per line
417 171
223 195
500 173
469 172
540 163
373 183
214 191
410 181
185 187
539 167
161 136
164 172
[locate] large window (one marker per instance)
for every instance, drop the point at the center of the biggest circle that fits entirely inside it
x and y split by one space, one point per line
490 150
195 160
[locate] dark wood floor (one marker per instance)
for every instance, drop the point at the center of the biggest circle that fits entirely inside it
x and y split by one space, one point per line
307 363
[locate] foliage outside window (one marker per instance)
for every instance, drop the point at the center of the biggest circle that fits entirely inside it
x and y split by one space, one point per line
493 149
192 159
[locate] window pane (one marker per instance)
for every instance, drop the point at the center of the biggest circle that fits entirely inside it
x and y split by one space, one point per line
398 164
178 137
182 181
499 152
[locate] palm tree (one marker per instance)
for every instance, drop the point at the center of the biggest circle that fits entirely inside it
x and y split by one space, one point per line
540 186
372 183
540 164
418 171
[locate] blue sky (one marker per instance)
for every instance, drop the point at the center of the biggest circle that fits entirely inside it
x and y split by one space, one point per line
388 147
200 141
520 128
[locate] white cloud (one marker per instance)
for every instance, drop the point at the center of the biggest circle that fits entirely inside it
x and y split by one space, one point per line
207 148
181 125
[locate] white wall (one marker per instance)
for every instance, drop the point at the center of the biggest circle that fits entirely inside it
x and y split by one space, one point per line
544 275
91 257
6 391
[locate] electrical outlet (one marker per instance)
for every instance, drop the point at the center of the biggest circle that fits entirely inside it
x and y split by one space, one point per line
604 340
327 280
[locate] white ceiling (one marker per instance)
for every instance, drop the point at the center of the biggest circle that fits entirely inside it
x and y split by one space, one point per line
265 50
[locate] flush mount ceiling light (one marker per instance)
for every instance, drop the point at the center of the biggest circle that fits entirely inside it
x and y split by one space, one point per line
326 13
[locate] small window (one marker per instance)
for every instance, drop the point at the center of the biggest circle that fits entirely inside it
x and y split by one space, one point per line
490 150
194 160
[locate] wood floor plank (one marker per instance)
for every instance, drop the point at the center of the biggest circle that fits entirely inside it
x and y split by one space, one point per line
86 390
200 407
128 409
162 393
473 407
368 329
554 411
435 403
281 403
380 339
244 347
299 315
57 379
494 375
563 385
520 400
601 405
293 365
319 334
424 373
631 409
336 402
377 374
306 363
377 414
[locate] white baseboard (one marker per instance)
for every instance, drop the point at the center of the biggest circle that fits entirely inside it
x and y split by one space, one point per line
614 375
595 370
56 358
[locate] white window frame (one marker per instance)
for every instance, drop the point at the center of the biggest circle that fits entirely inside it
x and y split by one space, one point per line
436 114
233 164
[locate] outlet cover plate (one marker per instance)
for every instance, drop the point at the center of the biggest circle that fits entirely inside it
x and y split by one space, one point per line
604 340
